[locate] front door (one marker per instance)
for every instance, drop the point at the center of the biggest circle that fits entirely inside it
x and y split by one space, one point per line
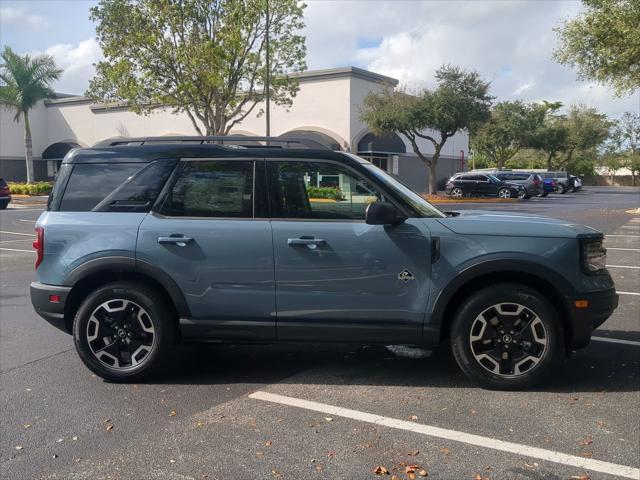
207 236
337 278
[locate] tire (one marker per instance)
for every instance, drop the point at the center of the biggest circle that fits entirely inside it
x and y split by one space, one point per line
504 193
3 204
563 189
544 194
457 192
534 349
143 323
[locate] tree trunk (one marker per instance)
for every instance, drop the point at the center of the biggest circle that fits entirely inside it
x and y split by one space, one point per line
433 180
28 148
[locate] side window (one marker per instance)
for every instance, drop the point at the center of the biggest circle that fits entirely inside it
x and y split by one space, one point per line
138 192
318 190
90 183
482 178
212 189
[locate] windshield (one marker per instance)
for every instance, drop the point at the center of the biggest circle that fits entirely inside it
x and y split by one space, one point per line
425 209
494 179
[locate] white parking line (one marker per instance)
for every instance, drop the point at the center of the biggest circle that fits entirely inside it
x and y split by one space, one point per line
616 340
628 293
624 236
17 250
456 436
630 249
622 266
18 240
27 221
18 233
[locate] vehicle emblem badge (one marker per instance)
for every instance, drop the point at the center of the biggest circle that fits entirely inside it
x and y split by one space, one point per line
405 275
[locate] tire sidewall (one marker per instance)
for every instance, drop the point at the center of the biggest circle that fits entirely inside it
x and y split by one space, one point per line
459 190
504 294
148 300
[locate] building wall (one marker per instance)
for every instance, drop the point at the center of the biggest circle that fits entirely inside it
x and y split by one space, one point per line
327 101
415 174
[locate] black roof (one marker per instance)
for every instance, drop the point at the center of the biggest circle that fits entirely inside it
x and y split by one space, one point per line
158 151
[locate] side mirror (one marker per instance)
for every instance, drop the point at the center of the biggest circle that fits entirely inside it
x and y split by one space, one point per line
381 213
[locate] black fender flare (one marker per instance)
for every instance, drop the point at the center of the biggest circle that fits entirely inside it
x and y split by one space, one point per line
123 264
469 273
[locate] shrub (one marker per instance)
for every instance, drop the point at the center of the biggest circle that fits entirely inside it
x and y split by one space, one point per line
325 192
37 188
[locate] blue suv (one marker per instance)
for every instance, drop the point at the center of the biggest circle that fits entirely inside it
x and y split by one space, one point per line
149 242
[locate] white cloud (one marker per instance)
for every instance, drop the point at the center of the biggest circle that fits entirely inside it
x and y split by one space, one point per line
15 17
77 62
509 42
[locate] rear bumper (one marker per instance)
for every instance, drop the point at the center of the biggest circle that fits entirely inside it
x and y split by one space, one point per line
51 311
601 305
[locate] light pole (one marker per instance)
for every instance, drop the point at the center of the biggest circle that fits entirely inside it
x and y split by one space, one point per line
267 78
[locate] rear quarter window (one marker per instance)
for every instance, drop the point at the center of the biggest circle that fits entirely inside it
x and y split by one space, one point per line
90 183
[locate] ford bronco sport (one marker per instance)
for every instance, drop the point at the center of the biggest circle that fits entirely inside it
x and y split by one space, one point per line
149 242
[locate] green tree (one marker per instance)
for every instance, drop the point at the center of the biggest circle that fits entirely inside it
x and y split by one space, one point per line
24 82
625 141
603 42
206 58
460 101
565 139
507 131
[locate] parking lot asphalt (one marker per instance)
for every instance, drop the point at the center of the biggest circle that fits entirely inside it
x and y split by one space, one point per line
322 411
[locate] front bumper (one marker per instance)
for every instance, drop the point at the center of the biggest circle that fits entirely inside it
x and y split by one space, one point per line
584 321
51 311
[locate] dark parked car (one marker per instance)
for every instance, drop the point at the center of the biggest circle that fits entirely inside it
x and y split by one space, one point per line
149 242
5 194
532 182
482 185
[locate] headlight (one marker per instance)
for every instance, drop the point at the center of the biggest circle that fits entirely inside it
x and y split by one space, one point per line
594 256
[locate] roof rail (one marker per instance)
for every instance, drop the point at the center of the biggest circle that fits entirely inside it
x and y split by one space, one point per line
235 140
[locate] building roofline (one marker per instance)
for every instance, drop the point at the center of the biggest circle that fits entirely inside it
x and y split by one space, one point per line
306 76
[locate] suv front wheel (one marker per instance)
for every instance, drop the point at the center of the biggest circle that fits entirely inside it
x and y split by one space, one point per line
123 331
507 337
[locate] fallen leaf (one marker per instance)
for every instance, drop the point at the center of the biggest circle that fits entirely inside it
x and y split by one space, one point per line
172 461
600 424
109 428
199 424
367 445
380 470
412 476
414 453
586 441
528 465
473 412
106 420
28 425
19 447
268 443
584 476
395 477
74 438
422 472
172 413
331 454
411 468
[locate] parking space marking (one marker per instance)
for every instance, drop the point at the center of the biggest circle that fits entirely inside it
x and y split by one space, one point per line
454 435
16 250
627 293
14 241
624 236
618 248
616 340
18 233
622 266
27 221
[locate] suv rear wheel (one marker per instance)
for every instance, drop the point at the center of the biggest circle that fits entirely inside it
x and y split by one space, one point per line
123 331
456 192
504 193
507 337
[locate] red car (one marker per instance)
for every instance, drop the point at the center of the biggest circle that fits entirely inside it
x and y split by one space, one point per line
5 195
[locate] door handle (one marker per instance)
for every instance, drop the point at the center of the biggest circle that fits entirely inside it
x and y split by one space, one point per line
310 242
175 240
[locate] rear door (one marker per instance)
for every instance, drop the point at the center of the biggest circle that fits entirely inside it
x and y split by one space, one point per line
337 278
209 235
484 186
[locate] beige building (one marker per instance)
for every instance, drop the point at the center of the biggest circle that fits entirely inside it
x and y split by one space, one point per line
326 109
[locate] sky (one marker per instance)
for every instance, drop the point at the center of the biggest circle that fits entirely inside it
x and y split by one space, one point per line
509 42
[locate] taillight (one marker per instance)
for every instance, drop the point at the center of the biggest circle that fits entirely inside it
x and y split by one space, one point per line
38 244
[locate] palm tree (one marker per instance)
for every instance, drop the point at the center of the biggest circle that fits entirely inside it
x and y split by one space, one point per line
25 81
